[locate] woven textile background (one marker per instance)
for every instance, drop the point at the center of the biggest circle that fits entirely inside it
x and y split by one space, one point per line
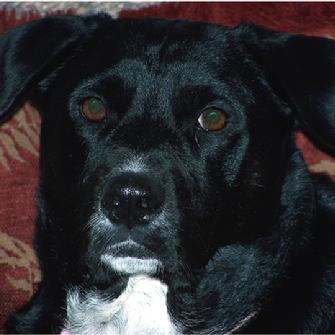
19 137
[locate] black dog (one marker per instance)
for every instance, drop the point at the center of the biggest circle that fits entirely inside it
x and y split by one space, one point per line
173 198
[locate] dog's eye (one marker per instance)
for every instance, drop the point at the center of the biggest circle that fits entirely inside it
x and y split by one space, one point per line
93 110
212 119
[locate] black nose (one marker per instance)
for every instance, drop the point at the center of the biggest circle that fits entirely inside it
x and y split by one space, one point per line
132 199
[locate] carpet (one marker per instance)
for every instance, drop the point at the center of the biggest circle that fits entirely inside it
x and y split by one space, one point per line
19 136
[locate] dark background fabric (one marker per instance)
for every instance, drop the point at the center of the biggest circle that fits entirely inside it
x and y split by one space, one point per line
19 142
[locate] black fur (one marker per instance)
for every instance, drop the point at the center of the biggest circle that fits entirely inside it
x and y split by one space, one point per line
248 227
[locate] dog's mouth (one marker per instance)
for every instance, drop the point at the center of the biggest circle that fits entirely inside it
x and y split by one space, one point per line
131 258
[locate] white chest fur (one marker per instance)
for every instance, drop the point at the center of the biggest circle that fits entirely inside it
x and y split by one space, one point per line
140 309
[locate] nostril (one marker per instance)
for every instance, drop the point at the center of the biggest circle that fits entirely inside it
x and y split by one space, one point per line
147 204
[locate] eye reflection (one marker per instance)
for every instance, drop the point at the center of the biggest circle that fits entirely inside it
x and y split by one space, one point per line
212 119
93 109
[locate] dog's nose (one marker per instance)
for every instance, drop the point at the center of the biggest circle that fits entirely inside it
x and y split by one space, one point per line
132 199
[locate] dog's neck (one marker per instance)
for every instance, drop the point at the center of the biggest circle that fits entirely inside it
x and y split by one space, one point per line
140 309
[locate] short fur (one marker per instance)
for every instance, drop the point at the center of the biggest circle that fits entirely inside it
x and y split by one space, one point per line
244 228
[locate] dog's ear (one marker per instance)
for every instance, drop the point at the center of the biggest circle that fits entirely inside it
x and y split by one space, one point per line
303 69
30 51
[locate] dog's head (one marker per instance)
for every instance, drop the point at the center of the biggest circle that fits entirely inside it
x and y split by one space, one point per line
162 141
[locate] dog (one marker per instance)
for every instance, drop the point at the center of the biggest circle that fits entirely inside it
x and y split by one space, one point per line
172 197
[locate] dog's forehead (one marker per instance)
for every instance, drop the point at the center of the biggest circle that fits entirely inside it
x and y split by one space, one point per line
160 45
160 40
160 58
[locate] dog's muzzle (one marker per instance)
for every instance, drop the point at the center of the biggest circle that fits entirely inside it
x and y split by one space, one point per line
131 205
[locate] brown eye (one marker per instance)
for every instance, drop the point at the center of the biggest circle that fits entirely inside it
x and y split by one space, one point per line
212 119
94 110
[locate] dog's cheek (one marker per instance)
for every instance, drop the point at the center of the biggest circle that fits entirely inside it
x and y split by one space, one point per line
63 153
192 192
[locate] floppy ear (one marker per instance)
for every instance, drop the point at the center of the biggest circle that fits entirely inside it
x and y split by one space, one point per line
304 69
28 52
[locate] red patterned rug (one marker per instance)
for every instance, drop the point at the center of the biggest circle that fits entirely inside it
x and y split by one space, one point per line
19 272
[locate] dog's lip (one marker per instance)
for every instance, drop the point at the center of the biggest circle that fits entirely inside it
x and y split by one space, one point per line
131 265
126 243
130 257
129 248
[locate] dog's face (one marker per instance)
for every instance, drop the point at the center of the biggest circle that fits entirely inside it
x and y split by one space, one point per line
163 146
162 141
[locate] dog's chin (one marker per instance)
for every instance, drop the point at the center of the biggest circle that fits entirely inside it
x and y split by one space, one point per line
131 258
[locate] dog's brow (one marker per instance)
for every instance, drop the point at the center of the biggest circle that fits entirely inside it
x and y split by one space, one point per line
127 70
134 71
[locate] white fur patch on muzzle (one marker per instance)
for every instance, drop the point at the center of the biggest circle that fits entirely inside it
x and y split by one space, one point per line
131 265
